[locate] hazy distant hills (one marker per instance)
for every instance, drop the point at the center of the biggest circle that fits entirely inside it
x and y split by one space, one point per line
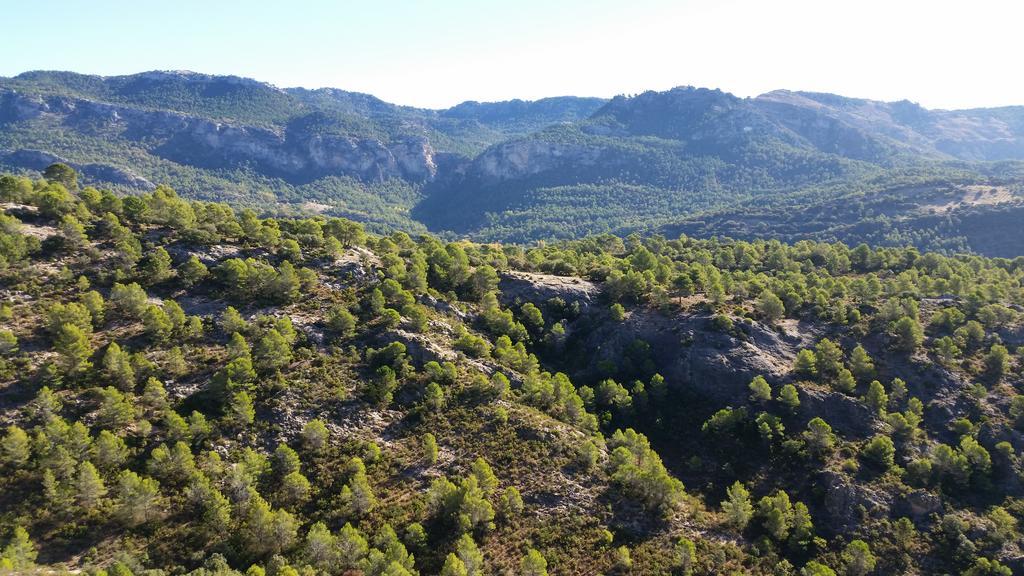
837 124
678 160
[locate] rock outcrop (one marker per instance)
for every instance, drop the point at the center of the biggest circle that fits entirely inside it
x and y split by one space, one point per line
289 152
532 287
529 157
848 502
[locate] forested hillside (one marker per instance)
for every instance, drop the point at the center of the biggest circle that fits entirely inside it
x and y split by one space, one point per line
277 150
186 387
692 154
687 159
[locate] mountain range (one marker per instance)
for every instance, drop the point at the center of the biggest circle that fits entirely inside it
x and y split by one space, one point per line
694 160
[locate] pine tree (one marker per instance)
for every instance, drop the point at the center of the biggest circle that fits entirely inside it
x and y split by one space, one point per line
776 514
199 427
861 364
72 344
265 531
89 487
357 492
44 406
876 397
285 460
93 302
15 448
231 321
73 231
880 451
137 498
813 568
829 357
62 174
273 351
789 397
212 510
686 556
175 363
433 397
237 347
156 323
844 381
947 350
802 532
533 564
117 367
157 266
116 410
429 449
8 344
806 363
73 313
154 396
176 316
760 390
109 452
470 555
485 475
241 412
285 287
453 566
737 507
858 559
382 386
352 548
294 490
510 504
320 548
819 436
770 306
192 272
907 334
19 553
997 361
340 320
130 300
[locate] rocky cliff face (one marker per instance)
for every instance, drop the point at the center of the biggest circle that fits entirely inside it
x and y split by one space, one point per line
299 155
188 139
528 157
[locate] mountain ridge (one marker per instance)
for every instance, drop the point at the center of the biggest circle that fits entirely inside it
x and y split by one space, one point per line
515 170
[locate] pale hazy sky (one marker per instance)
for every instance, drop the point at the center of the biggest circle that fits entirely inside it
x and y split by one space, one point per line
940 53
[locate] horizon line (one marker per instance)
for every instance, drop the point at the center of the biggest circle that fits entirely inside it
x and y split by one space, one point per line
185 71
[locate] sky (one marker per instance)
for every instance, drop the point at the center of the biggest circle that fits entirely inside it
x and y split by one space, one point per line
436 53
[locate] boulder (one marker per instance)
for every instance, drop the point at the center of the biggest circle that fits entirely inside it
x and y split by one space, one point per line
847 501
918 505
